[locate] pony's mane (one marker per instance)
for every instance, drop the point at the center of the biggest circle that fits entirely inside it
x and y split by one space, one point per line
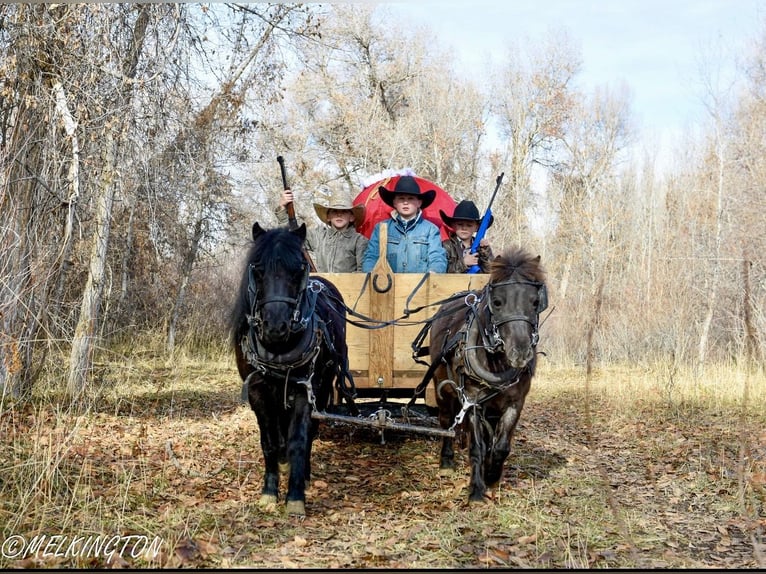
276 248
518 261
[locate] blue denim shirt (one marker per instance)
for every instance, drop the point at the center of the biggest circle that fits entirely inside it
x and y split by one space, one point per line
413 246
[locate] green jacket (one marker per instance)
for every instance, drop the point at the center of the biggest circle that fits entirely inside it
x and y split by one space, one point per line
332 250
454 248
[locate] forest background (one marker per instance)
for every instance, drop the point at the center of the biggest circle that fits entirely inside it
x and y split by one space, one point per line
139 144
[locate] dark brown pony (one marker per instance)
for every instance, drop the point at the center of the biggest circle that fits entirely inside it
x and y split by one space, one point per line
288 331
483 349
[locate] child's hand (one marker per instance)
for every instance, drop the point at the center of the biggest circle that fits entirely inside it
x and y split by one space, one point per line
285 198
470 259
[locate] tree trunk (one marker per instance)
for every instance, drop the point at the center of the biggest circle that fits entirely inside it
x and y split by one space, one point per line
73 180
188 265
81 357
713 292
125 265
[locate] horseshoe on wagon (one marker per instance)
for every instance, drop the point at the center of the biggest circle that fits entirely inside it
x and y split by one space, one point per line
389 283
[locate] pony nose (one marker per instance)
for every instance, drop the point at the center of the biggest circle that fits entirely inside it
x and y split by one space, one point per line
275 328
518 357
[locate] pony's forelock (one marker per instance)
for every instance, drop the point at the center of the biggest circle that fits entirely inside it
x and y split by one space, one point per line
516 260
276 248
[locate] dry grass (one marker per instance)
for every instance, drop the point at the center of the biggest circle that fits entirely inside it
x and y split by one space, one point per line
636 467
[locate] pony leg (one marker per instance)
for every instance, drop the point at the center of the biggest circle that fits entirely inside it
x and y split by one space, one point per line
477 451
448 407
447 459
501 447
268 423
297 453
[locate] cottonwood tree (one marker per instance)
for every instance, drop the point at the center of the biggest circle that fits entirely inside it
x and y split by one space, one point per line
121 62
196 158
112 78
43 112
361 104
533 96
749 204
593 206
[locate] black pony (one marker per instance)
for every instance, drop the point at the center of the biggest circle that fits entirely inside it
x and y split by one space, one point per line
483 355
288 331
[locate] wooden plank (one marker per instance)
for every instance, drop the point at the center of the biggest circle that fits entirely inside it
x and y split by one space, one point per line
382 289
358 340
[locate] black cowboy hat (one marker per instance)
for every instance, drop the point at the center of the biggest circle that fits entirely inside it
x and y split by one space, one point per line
406 185
465 211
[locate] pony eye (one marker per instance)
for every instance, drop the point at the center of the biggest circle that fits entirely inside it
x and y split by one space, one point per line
497 302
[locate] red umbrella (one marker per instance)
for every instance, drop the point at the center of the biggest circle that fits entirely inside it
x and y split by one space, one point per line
377 210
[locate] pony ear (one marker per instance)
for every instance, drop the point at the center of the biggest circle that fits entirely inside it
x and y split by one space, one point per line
257 231
301 232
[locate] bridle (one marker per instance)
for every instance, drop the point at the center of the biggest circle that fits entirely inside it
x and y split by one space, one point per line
490 334
301 312
303 321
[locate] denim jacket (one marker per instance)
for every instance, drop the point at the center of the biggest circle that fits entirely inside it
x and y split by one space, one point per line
413 246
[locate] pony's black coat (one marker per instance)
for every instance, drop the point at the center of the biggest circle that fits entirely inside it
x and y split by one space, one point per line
485 350
288 331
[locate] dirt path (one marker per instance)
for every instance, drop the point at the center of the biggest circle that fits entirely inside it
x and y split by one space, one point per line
679 487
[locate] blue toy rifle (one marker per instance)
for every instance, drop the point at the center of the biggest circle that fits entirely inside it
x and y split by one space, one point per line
484 225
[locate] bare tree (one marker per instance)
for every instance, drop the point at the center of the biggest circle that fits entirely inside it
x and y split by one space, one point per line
125 67
362 104
533 98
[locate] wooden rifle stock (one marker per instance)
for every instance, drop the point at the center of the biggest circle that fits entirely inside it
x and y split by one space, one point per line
292 221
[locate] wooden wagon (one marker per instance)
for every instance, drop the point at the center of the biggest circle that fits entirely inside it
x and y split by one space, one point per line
381 359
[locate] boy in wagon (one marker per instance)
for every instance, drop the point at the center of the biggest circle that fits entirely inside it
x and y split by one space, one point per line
337 246
414 243
465 223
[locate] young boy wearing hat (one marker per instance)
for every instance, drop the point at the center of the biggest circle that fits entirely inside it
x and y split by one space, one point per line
465 223
414 243
337 246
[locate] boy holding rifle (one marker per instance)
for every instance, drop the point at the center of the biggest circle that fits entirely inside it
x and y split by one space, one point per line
464 224
337 246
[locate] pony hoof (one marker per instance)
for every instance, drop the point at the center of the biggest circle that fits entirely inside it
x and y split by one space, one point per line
447 471
284 467
268 501
296 508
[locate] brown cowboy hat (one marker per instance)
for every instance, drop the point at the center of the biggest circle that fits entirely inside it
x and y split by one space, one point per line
340 201
406 185
465 211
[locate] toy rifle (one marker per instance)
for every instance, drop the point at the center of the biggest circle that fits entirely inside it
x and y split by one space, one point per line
484 225
292 221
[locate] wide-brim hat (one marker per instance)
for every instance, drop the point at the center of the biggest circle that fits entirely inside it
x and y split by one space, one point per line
341 202
465 211
406 185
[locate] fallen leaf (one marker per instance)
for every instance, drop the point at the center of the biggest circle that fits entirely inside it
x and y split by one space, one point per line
527 539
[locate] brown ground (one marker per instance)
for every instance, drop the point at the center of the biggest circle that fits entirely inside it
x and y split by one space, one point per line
651 486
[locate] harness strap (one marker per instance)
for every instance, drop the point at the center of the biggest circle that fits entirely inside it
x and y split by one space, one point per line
449 344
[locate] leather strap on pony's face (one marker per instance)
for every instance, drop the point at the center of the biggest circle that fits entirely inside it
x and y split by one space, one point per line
301 310
490 334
